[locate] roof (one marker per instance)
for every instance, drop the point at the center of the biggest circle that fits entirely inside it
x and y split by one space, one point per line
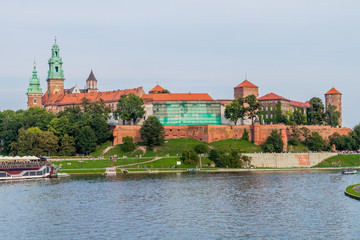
299 104
332 91
178 97
91 77
246 83
272 96
76 98
157 88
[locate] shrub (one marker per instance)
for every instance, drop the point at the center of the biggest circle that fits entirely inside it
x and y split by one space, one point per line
315 142
274 143
245 135
201 148
189 157
128 144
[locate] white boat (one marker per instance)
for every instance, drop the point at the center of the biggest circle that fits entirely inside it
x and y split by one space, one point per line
110 171
350 171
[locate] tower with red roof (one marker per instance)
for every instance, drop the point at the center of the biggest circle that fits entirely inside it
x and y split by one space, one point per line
246 88
333 97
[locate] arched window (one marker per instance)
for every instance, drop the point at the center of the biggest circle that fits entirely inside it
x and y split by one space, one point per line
57 69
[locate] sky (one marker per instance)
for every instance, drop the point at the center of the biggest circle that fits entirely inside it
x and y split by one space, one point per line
296 49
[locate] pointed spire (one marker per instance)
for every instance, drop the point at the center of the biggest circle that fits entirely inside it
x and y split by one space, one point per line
34 85
91 77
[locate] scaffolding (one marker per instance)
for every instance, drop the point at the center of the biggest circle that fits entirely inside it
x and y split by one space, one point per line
188 112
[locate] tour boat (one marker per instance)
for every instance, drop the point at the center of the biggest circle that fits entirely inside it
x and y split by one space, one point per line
349 171
27 167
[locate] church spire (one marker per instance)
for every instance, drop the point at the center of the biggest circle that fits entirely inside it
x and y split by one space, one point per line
55 63
34 86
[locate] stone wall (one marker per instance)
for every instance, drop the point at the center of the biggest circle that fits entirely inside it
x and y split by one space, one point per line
287 160
211 133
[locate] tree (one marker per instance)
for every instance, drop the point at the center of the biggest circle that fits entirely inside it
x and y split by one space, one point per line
316 111
299 117
332 116
295 135
253 106
214 154
67 147
152 132
128 144
274 142
245 135
235 110
48 143
28 142
201 148
130 108
86 140
100 126
315 142
60 126
189 156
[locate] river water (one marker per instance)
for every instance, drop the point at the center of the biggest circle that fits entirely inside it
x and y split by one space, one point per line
261 205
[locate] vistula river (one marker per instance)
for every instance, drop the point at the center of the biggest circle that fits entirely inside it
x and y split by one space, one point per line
258 205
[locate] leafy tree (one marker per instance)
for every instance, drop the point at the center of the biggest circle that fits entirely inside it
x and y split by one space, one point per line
214 154
305 132
86 140
100 126
235 110
152 132
332 116
316 111
295 135
67 147
253 106
245 135
128 144
130 108
355 134
315 142
48 143
189 156
27 143
299 117
274 142
201 148
60 126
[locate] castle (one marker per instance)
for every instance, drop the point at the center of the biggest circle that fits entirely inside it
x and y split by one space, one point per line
169 108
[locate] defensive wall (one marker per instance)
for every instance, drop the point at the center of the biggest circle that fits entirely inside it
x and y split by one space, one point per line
211 133
287 160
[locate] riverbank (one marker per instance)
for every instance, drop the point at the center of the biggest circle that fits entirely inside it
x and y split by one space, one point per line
353 191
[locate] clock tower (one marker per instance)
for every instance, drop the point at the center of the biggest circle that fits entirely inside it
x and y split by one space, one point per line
55 77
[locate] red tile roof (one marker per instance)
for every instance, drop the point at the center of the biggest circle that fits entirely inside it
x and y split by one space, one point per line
332 91
178 97
272 96
76 98
157 88
299 104
246 83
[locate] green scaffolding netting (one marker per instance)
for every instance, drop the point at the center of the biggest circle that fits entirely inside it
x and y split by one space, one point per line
188 113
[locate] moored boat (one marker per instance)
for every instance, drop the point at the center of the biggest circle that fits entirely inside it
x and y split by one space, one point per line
12 168
110 171
349 171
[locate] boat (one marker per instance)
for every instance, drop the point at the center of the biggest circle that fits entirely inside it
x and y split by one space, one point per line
349 171
110 171
193 170
27 167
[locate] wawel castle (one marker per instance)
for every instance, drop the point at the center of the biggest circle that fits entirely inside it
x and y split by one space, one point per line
169 108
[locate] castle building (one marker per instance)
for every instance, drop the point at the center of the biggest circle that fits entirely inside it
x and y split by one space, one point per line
333 97
245 89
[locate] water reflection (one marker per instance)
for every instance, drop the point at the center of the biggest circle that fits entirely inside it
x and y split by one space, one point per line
269 204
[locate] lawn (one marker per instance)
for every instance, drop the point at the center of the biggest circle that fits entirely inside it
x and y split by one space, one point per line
86 164
101 148
298 148
343 160
238 144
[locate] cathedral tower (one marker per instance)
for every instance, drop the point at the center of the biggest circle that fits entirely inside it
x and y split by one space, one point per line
245 89
333 97
34 91
55 77
91 83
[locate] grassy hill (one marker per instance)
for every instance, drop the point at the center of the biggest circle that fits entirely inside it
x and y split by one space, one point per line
343 160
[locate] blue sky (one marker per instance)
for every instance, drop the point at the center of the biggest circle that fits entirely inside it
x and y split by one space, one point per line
296 49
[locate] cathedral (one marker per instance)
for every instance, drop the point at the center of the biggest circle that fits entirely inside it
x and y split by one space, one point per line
56 98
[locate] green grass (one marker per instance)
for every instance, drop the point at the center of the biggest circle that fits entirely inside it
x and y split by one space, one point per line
166 163
241 145
83 171
350 190
101 148
86 164
298 148
342 160
173 147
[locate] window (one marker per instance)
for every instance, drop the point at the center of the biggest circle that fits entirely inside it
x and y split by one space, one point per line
271 116
56 53
267 116
35 101
267 108
57 69
271 108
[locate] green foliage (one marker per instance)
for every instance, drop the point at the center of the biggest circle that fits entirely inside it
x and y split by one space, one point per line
201 148
315 142
274 143
86 140
60 126
245 135
189 156
295 135
130 108
232 160
343 142
343 160
279 116
316 111
152 132
128 144
332 116
67 146
253 106
299 116
235 110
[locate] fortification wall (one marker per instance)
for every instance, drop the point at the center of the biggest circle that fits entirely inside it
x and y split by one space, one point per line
211 133
287 160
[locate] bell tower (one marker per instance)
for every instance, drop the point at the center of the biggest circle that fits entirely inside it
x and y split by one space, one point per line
91 83
34 91
333 97
55 77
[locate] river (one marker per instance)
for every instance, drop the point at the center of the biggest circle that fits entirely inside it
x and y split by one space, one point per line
259 205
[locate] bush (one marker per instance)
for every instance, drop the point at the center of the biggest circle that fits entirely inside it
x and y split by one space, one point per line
189 157
274 143
315 142
245 135
232 160
128 144
201 148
